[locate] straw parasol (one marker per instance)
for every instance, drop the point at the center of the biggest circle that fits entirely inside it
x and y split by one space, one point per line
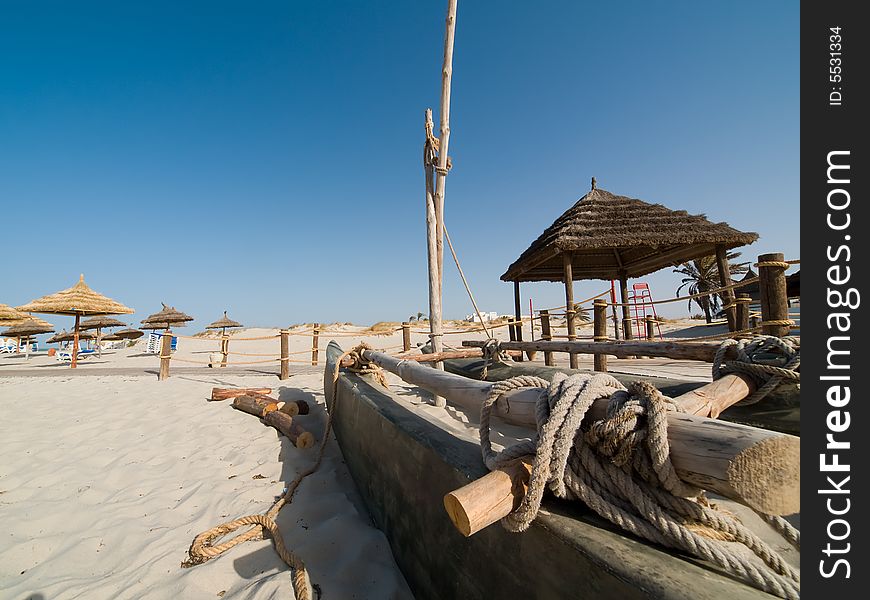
27 329
223 324
99 323
128 334
112 337
10 316
605 236
79 300
165 318
68 336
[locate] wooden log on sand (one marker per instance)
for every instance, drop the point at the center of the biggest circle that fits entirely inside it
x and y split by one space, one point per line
294 407
230 393
255 405
286 425
753 466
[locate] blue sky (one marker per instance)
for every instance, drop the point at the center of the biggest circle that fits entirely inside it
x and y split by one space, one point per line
265 158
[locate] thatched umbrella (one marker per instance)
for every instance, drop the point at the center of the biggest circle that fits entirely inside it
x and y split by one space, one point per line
26 330
79 301
128 333
223 324
112 337
10 316
605 236
68 336
99 323
165 318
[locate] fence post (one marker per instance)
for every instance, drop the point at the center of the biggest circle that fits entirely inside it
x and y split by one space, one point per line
225 349
599 332
406 336
314 344
650 328
774 299
165 353
743 301
285 355
546 335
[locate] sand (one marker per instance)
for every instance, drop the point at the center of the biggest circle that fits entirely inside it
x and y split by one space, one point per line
106 480
108 474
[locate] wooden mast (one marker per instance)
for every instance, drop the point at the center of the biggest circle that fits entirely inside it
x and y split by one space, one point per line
435 210
724 280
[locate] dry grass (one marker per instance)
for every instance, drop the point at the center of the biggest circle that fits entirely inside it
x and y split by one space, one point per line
383 328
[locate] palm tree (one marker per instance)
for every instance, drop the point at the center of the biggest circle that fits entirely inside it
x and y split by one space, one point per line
412 318
702 275
581 314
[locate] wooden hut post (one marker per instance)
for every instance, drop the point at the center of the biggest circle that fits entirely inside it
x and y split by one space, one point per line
518 316
75 352
724 280
569 303
546 335
742 312
628 330
314 342
406 336
165 353
650 328
774 299
285 355
599 331
517 311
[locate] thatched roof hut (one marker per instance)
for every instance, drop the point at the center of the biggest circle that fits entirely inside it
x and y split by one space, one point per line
605 236
609 236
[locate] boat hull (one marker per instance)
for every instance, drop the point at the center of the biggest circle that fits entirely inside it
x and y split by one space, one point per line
403 465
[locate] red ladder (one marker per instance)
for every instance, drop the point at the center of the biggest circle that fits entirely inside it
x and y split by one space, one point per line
640 299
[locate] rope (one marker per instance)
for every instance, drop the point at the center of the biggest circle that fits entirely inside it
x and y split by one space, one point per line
202 548
620 467
464 281
774 263
767 359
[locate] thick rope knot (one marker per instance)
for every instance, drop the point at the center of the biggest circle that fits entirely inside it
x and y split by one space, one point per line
492 355
365 367
620 467
767 359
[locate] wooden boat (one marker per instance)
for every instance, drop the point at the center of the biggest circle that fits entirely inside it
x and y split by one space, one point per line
403 464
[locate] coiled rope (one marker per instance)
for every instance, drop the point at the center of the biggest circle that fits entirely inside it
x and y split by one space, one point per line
620 467
767 359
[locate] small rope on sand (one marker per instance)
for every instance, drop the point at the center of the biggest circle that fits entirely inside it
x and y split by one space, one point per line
203 549
620 467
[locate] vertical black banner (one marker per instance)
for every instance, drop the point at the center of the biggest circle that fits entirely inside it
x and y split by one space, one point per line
835 365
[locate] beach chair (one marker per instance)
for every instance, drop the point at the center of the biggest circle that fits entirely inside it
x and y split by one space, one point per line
66 355
8 346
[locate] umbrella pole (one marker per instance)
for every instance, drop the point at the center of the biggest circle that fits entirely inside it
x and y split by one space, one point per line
99 345
75 351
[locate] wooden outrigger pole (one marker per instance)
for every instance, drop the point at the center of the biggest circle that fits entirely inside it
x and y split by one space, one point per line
435 193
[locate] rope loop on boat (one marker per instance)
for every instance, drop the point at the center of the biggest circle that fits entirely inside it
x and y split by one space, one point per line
767 359
620 467
492 355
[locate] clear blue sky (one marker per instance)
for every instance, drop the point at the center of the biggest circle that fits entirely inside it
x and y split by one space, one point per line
265 157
